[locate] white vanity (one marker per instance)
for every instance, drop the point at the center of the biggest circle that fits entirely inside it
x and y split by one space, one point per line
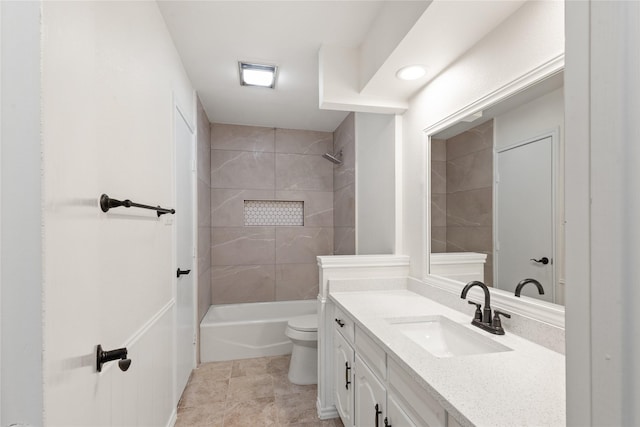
376 371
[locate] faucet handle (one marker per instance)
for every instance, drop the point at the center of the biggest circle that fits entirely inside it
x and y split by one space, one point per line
496 318
478 314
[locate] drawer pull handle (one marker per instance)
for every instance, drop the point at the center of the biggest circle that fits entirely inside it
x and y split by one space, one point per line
386 422
378 412
346 375
339 322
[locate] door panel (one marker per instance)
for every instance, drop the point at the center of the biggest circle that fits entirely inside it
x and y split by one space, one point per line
524 216
369 392
343 378
185 293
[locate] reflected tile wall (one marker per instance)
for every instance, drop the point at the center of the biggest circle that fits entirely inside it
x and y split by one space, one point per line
255 163
344 194
470 194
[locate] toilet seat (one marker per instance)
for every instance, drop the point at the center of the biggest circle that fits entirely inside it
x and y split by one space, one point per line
308 323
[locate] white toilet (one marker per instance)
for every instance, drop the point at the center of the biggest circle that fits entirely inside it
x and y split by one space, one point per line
303 331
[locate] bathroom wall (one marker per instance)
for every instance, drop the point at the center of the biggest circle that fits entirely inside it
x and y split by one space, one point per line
268 263
375 183
203 167
344 189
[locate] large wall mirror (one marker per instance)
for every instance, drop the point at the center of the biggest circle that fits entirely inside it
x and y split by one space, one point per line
497 179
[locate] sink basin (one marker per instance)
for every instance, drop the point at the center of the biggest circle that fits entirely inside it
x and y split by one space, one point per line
443 337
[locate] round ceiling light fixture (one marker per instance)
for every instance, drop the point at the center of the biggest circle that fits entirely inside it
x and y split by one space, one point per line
411 72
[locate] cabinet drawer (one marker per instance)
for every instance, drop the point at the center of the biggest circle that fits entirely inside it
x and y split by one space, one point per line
343 324
372 353
422 405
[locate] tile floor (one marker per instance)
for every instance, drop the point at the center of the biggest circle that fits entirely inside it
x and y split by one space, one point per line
248 393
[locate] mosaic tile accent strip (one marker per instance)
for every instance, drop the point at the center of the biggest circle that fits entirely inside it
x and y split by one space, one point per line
273 212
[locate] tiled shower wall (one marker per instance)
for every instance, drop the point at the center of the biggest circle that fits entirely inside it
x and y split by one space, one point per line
268 263
344 189
462 194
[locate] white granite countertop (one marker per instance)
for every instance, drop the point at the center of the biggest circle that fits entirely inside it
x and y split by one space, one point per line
523 387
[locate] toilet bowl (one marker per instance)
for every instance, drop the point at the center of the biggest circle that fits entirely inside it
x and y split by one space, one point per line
303 332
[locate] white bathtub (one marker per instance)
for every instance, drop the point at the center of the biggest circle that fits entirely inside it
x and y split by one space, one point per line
243 331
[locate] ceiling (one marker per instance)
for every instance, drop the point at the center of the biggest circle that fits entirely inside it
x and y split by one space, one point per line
212 36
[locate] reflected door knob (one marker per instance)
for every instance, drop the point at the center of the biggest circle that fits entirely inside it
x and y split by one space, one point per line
544 260
182 272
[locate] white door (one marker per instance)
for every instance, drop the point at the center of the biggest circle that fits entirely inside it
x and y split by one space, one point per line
343 378
370 396
185 293
525 217
396 416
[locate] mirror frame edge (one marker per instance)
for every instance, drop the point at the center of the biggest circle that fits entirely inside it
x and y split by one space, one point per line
552 314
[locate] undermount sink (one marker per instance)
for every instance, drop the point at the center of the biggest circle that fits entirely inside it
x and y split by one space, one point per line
443 337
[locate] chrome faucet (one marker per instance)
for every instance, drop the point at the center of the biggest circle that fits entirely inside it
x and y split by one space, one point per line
484 321
524 282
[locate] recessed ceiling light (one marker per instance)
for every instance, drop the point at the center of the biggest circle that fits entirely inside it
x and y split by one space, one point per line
411 72
257 74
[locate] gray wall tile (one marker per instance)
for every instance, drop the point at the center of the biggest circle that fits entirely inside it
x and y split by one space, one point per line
303 172
318 206
294 141
344 240
242 245
438 239
471 208
302 244
469 239
296 281
439 150
476 139
471 171
203 150
439 210
344 207
242 170
242 283
242 138
227 206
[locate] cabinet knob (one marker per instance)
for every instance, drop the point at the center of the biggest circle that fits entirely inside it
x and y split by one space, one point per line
386 422
340 322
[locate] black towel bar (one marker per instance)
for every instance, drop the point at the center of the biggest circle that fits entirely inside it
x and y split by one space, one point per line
107 203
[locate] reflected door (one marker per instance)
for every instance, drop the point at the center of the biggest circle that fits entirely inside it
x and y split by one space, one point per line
525 216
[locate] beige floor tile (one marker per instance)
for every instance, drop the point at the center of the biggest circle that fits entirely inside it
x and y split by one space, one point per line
250 367
210 415
214 371
250 388
258 412
284 387
279 365
203 393
298 408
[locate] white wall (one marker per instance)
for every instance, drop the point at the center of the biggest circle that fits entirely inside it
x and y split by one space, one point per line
375 183
20 240
110 77
531 37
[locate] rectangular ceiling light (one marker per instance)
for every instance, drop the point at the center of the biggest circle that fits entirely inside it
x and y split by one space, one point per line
257 75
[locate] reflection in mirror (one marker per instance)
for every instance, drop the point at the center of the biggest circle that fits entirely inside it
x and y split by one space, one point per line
497 194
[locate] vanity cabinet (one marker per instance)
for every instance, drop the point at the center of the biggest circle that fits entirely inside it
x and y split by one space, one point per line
371 389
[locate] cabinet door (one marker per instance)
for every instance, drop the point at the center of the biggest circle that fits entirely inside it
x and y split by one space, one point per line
343 378
396 415
370 397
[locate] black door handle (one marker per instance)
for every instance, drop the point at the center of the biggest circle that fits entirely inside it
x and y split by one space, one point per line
544 260
182 272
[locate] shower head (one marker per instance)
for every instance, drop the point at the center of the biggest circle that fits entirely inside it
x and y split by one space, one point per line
337 159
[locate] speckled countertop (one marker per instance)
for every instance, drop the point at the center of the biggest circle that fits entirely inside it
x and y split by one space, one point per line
523 387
